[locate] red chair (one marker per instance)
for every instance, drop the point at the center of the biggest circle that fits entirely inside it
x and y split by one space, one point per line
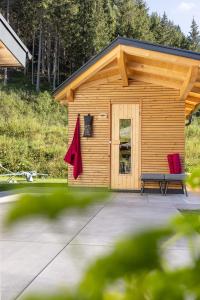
176 175
174 162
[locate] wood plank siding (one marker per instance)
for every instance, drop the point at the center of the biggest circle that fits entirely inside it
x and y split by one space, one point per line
162 119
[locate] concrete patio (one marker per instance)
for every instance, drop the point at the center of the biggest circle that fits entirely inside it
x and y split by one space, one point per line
39 256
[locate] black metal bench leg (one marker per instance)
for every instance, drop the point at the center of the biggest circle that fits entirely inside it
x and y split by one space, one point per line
182 186
166 187
161 187
142 188
185 188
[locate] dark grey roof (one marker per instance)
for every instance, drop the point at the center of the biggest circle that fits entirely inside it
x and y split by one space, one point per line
12 42
133 43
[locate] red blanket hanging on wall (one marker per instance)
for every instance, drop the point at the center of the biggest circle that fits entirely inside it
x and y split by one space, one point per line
73 155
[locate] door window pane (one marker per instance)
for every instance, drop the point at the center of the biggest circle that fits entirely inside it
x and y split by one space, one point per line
125 146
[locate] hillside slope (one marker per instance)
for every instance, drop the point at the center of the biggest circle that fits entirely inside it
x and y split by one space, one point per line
193 145
33 132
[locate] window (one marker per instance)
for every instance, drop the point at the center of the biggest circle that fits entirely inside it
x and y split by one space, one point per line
125 146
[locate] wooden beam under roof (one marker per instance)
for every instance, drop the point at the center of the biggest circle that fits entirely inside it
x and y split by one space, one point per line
193 94
105 73
70 95
191 103
155 79
193 99
122 67
160 63
188 111
187 101
159 56
113 64
197 84
142 68
191 106
195 90
189 82
91 83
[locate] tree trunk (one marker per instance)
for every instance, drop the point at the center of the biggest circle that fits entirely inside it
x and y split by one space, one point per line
58 76
55 62
43 56
49 60
39 60
58 64
5 76
26 67
33 57
8 20
8 11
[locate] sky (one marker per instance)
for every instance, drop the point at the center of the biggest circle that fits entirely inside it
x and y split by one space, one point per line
179 11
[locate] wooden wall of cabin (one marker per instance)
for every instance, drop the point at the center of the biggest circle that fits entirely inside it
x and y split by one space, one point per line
162 127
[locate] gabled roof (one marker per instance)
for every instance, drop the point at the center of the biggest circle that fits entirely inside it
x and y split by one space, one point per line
13 52
162 65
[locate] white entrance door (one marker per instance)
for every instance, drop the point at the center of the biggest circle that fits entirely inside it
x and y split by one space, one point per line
125 157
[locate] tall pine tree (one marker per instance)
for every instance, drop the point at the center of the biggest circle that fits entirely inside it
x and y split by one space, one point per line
194 36
101 25
75 30
124 26
141 21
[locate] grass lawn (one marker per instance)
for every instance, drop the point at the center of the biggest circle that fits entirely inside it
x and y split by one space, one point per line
185 211
20 183
35 180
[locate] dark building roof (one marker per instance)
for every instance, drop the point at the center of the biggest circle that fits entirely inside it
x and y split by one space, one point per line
133 43
13 43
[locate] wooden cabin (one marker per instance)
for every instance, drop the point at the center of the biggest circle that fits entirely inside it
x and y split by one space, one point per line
13 53
139 94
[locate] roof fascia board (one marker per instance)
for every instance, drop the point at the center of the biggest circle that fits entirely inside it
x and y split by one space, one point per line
159 48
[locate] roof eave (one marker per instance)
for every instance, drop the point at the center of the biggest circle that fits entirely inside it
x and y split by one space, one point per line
128 42
13 43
